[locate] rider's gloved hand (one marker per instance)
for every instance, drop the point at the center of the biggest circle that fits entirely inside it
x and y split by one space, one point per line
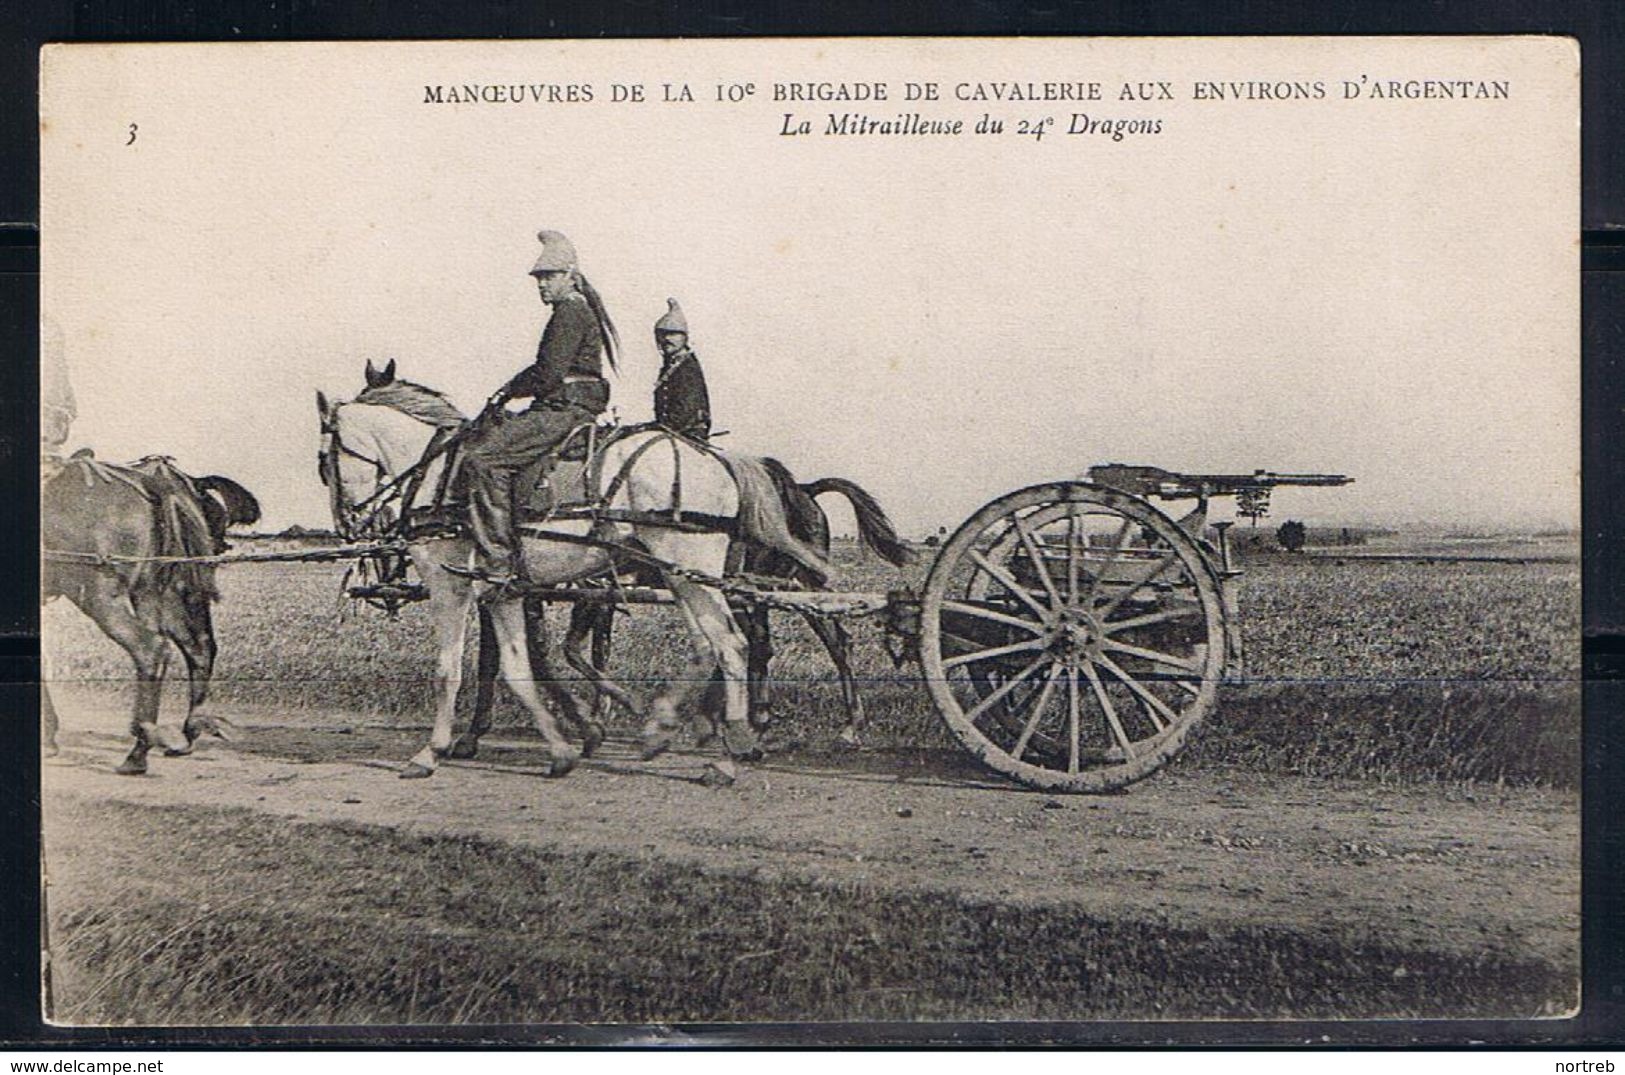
493 406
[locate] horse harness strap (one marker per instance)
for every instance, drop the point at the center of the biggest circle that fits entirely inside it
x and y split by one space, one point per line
692 522
675 517
446 439
406 484
437 446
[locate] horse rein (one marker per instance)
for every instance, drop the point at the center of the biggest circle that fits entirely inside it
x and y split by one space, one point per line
402 483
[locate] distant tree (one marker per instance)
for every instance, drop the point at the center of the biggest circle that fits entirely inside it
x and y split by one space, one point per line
1253 504
1291 535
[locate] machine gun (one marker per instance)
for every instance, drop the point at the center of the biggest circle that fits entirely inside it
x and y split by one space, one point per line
1143 481
1252 493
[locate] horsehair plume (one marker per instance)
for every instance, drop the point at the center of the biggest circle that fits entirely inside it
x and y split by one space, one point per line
612 337
415 400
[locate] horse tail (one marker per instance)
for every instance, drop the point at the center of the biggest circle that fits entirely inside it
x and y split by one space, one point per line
242 508
875 529
185 530
187 524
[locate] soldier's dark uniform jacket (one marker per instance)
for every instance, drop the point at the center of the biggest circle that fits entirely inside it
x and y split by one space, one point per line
681 400
572 347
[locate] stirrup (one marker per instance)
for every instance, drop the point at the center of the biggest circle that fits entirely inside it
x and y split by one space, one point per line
480 575
501 587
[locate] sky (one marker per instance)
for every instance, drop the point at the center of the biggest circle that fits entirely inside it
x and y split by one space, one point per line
1385 289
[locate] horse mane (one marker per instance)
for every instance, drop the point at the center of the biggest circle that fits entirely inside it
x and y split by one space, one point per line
416 401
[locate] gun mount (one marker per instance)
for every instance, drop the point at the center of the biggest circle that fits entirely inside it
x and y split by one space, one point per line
1252 493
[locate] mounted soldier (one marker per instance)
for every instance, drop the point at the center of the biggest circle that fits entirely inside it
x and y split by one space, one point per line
682 403
567 390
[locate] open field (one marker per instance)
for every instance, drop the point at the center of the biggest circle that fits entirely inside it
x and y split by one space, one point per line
1426 671
1381 822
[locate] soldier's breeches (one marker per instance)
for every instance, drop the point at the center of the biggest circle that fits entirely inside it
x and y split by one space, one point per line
493 461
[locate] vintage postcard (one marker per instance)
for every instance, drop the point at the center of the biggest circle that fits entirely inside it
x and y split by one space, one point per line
810 531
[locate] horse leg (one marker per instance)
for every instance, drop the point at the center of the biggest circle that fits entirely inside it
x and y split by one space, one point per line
194 637
665 708
593 620
589 731
106 602
712 620
837 642
753 619
508 617
467 745
449 598
603 627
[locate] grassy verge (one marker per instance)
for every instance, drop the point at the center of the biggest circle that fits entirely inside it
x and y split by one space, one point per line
351 924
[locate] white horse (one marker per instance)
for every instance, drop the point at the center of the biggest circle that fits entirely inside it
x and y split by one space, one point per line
371 442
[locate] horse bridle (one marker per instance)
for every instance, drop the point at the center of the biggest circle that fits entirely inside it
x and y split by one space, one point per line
327 468
386 488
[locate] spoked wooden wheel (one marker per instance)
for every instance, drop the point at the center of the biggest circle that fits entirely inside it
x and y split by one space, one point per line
1072 636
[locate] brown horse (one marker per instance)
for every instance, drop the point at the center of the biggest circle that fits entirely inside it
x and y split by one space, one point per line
110 536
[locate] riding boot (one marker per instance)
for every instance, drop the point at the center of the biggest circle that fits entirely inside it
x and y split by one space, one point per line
491 520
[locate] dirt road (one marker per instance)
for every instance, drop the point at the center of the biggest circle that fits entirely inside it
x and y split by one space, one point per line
1426 877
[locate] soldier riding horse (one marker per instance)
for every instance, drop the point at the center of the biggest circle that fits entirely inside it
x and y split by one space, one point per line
673 504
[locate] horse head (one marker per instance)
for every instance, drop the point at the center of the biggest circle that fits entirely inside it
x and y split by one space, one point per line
368 442
351 477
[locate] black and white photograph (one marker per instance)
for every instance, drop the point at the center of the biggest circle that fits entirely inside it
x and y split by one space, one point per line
824 530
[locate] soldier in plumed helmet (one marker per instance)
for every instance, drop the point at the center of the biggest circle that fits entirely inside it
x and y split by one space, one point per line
566 387
682 403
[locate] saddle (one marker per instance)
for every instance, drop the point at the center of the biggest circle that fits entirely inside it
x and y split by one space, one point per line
563 479
558 480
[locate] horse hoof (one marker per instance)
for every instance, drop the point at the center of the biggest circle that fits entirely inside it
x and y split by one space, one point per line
464 748
559 765
741 742
656 741
414 771
132 767
200 724
178 752
592 737
719 774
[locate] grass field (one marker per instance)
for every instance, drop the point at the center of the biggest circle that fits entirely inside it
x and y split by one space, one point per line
1390 670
